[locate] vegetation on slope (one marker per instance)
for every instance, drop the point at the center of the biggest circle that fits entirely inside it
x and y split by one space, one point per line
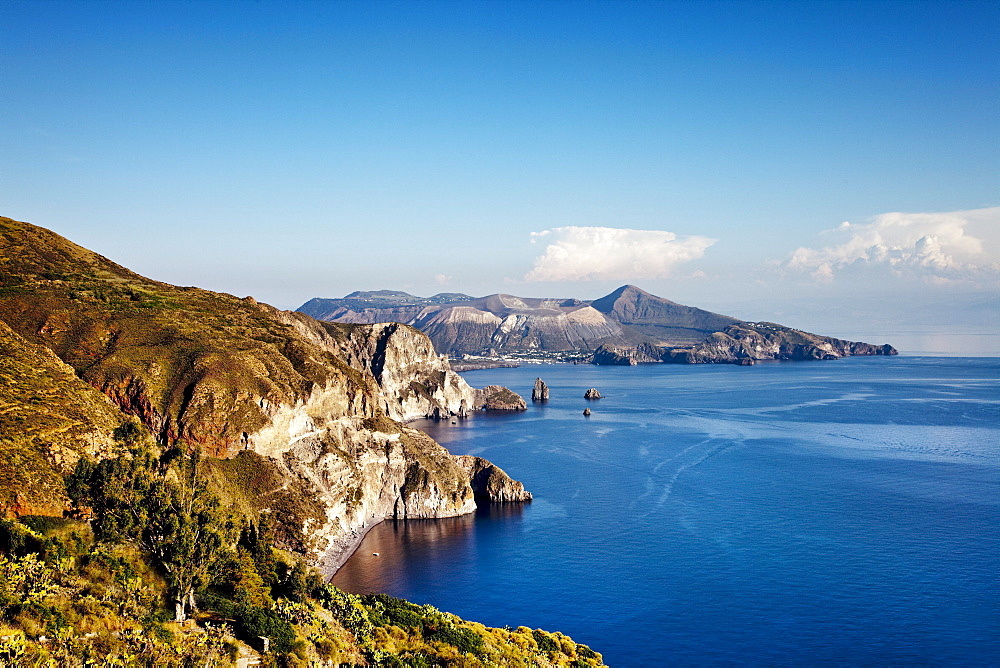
192 365
48 419
119 589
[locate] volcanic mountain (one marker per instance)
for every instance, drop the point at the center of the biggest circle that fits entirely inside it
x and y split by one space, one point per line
627 326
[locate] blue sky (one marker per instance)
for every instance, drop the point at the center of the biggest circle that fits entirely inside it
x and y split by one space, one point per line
706 151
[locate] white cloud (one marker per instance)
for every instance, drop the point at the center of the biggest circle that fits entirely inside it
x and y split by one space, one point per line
938 247
607 253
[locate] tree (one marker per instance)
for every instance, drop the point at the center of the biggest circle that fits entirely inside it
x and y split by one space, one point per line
164 507
187 531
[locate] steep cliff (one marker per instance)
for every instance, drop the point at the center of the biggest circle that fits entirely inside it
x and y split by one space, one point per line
643 353
414 380
307 407
540 392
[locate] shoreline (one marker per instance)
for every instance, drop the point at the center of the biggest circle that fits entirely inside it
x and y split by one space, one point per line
329 564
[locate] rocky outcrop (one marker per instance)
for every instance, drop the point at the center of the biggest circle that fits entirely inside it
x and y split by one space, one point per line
541 391
490 483
413 379
499 398
363 471
592 393
586 412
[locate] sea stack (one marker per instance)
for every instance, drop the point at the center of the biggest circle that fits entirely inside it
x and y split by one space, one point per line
586 412
592 393
541 391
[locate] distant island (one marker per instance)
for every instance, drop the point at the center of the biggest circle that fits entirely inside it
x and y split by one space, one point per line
627 327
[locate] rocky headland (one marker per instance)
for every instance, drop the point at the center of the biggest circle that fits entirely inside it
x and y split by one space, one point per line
500 398
490 483
299 419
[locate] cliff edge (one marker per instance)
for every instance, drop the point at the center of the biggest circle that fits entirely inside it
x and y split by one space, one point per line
300 418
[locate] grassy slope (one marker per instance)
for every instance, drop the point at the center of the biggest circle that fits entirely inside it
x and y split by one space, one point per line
190 363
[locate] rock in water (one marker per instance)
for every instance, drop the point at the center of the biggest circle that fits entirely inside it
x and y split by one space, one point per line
490 483
586 411
592 393
541 391
499 398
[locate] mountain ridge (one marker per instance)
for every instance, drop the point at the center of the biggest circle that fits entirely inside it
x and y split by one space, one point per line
629 325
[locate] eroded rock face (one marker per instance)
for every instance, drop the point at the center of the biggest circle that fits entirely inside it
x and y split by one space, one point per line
413 379
490 483
499 398
540 391
362 472
592 393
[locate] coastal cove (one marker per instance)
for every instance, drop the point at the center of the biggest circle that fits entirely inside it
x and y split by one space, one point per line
841 511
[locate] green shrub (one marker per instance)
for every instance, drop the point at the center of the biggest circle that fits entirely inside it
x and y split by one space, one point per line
464 640
385 609
545 643
15 538
255 621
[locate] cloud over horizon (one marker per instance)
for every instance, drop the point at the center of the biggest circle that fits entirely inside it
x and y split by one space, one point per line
937 247
608 253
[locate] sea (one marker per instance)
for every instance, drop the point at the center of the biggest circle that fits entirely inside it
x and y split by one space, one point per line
790 513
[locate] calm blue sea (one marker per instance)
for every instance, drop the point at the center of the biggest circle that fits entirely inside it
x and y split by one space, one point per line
843 512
